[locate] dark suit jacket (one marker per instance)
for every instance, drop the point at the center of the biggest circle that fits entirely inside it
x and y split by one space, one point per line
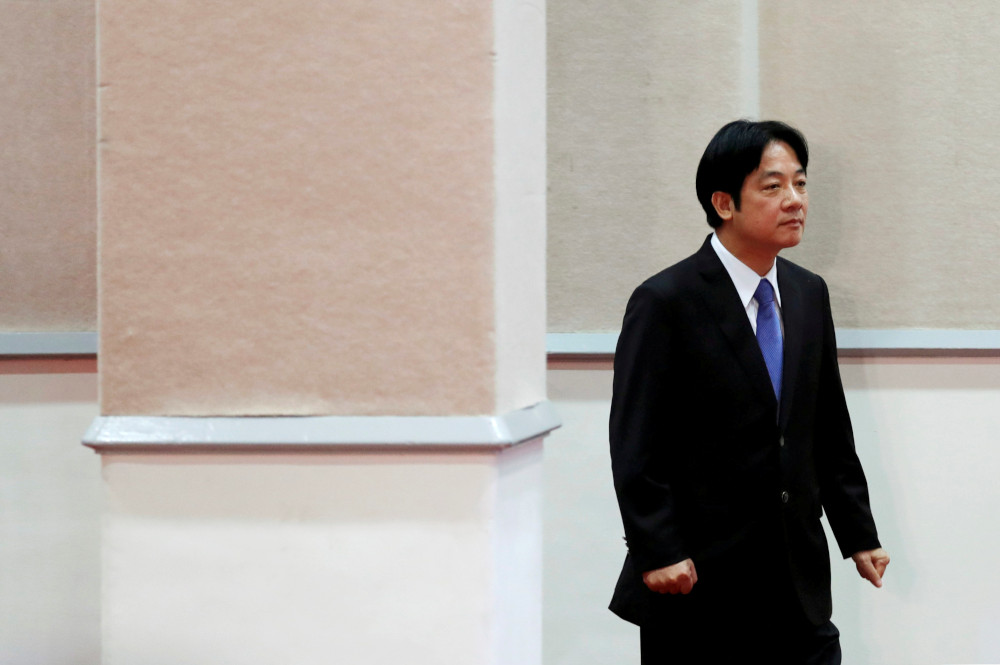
706 465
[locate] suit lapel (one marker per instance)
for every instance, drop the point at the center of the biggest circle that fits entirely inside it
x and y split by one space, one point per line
723 302
792 317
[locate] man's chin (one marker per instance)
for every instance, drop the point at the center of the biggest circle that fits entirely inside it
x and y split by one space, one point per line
792 236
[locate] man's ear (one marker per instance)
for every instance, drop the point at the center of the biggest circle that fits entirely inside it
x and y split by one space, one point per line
723 204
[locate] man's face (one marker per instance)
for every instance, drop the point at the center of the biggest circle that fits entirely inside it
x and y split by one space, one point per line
773 203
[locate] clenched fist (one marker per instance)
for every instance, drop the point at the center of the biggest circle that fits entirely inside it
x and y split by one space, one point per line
677 578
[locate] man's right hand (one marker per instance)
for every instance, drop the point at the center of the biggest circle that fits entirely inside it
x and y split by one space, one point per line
677 578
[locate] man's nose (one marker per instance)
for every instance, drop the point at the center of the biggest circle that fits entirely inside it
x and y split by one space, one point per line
793 198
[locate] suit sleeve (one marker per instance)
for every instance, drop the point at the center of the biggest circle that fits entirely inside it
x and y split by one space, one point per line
843 488
640 433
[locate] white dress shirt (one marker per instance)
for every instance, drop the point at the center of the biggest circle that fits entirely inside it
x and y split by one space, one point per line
746 279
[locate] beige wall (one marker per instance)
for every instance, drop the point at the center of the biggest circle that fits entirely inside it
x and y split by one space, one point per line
898 100
636 90
47 167
305 181
905 156
235 147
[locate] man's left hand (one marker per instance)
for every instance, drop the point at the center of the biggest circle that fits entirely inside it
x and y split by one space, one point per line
871 564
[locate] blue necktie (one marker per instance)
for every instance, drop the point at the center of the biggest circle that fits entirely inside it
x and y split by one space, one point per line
769 333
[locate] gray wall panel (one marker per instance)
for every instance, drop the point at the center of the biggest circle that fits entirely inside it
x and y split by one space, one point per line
636 90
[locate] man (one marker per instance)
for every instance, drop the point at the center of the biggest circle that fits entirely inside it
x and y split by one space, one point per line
729 430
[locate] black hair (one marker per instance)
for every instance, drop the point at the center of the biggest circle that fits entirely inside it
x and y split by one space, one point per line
734 153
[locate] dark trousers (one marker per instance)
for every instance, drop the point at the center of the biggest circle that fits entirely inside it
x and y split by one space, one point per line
742 610
739 615
786 645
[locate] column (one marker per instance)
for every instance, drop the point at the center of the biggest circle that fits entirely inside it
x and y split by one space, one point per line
322 321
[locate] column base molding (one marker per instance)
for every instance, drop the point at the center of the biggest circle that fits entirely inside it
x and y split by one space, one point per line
160 434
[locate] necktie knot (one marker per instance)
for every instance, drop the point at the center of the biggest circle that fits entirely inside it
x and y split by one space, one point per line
764 293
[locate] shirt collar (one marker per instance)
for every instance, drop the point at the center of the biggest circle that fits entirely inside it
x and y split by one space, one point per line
745 279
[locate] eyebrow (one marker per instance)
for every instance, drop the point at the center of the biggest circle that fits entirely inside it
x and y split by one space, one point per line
778 174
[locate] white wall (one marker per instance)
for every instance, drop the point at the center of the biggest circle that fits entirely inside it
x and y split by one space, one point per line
320 557
50 495
583 533
927 431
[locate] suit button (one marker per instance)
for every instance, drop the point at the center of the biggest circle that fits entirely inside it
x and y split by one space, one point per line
781 442
784 497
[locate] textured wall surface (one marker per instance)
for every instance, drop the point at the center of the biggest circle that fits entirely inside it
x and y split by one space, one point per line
297 180
896 97
636 90
900 102
48 188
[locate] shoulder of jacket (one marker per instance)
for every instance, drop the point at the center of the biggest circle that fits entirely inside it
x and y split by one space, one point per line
798 273
675 280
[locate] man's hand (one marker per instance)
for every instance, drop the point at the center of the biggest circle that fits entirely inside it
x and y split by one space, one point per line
677 578
871 564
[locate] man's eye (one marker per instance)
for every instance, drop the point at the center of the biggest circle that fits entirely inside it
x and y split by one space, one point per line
802 183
